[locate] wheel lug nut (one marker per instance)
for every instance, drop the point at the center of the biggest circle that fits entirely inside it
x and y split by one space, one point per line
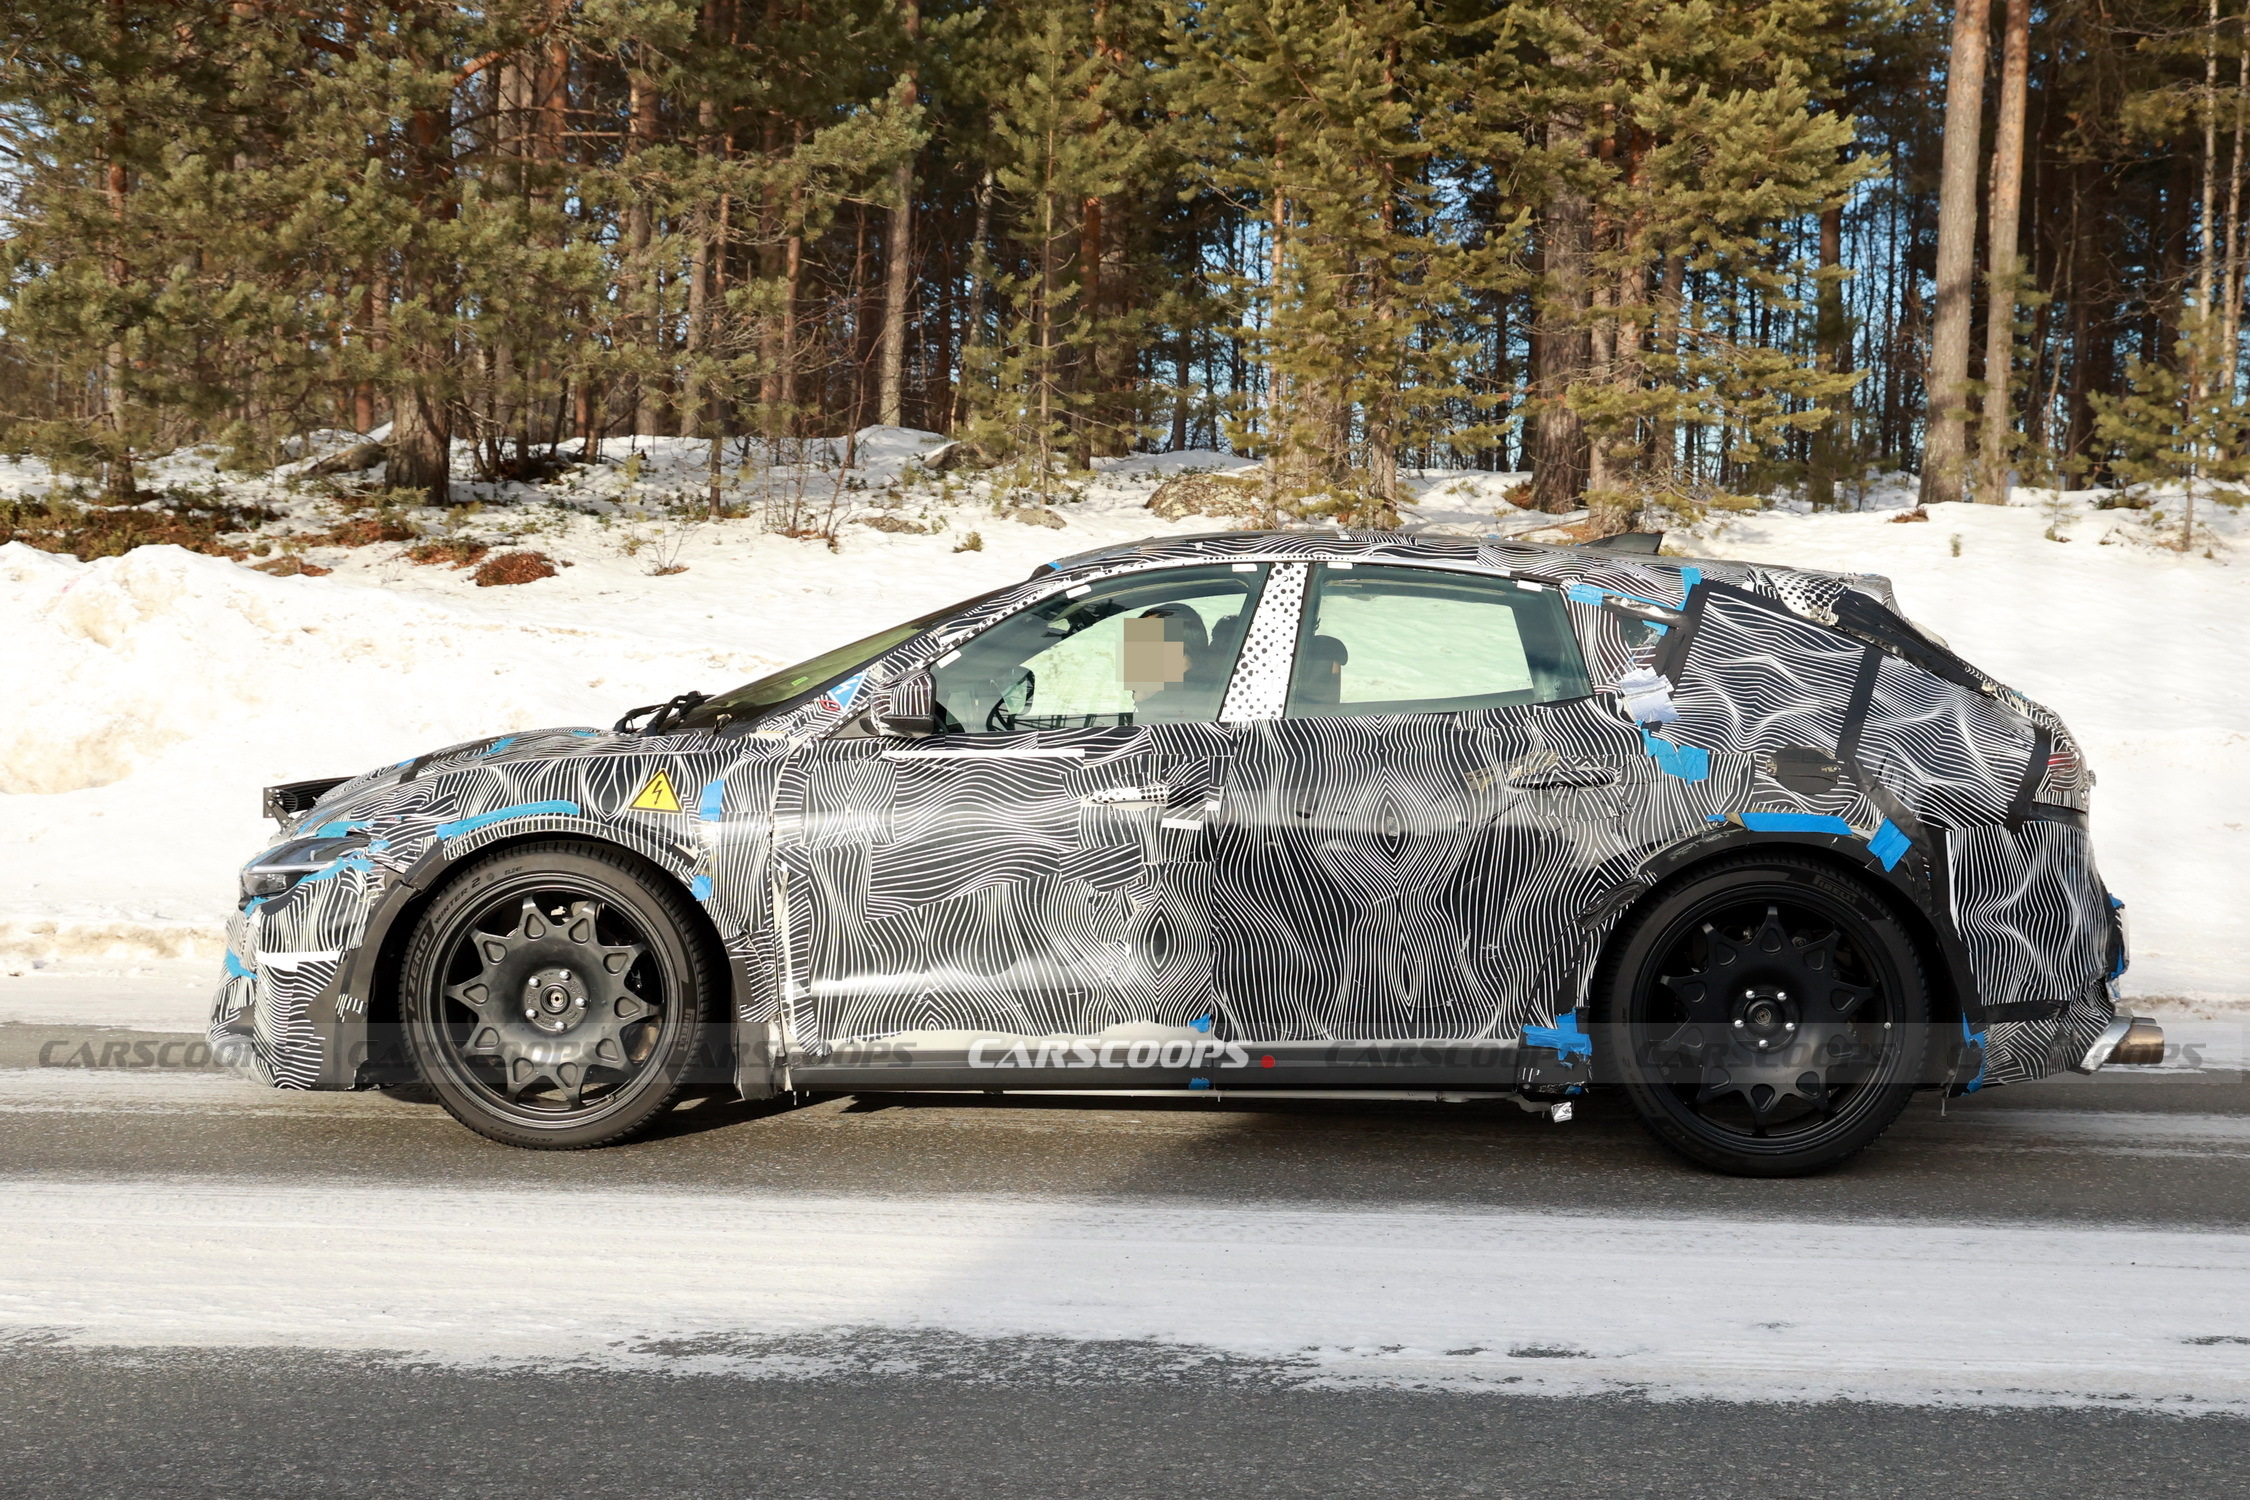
1738 1023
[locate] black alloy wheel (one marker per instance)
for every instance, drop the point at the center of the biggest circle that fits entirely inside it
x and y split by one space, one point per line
1768 1017
553 996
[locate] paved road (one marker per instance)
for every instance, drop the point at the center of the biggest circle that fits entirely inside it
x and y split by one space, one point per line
2074 1161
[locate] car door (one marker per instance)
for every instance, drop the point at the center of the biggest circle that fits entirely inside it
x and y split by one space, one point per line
1025 891
1398 860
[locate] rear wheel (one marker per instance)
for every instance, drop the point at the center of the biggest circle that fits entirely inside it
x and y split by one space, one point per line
553 994
1768 1018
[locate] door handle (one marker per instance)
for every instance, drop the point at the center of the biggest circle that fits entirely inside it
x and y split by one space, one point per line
1013 752
1558 778
1127 796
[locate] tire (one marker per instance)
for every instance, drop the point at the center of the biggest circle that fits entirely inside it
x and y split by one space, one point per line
553 995
1768 1017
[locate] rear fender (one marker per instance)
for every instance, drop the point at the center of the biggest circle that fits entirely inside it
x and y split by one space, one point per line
1915 886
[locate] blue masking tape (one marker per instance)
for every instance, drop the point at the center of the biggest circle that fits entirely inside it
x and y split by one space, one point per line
1563 1037
1688 762
1786 822
1889 845
459 826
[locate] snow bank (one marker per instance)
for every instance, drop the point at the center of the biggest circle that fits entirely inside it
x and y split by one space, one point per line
150 696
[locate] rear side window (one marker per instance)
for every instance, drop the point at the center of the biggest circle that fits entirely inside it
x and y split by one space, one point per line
1386 640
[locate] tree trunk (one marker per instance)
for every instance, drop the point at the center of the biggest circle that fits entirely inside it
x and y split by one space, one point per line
1945 450
421 443
2203 330
2003 275
420 452
1086 372
898 247
642 281
1832 335
1280 447
792 284
2230 336
118 484
980 273
2078 414
1182 357
694 387
1663 457
1560 453
705 301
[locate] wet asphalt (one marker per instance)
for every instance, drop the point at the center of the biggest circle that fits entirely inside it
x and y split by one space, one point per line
2122 1148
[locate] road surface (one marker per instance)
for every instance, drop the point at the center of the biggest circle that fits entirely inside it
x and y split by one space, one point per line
211 1289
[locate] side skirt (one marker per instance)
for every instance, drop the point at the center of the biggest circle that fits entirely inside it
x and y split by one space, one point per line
1344 1069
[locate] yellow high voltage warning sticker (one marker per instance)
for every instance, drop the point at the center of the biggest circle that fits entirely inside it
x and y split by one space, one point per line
657 796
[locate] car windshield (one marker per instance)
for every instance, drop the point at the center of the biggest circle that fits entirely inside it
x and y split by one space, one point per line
793 685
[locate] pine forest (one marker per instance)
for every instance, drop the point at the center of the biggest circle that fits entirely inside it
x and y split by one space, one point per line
1658 253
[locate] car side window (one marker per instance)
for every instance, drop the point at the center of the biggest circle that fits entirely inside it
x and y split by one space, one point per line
1148 648
1384 640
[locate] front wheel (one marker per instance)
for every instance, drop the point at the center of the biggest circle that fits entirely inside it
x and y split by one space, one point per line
1768 1018
552 996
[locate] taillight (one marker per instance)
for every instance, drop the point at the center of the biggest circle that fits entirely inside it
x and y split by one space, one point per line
2066 780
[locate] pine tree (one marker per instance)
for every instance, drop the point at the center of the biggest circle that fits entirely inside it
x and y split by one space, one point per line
1317 116
2171 427
1670 147
142 275
1066 136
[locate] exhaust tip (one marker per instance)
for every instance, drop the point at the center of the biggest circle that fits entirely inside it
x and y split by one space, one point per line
2132 1040
2141 1046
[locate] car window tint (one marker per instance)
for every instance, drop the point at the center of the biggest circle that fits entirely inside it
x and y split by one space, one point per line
1416 640
1148 648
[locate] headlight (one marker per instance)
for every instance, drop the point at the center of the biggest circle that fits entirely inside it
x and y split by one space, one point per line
280 868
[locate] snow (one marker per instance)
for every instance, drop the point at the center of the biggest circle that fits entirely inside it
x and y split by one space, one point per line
775 1285
151 696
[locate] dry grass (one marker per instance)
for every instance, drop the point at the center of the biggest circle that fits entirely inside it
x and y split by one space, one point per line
292 566
362 531
196 522
458 552
515 567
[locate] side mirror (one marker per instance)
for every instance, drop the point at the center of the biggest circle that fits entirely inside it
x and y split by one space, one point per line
909 710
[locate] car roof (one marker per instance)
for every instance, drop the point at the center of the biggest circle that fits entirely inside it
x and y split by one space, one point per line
1806 590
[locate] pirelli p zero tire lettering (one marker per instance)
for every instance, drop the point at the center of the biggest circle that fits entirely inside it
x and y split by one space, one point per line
1767 1017
553 996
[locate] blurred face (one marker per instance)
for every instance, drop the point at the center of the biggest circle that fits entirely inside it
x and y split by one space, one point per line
1151 660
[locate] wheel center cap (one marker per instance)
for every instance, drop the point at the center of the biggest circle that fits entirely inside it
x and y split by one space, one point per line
1765 1017
554 1000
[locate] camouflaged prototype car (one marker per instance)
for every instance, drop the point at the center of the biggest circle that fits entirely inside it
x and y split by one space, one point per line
1252 814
